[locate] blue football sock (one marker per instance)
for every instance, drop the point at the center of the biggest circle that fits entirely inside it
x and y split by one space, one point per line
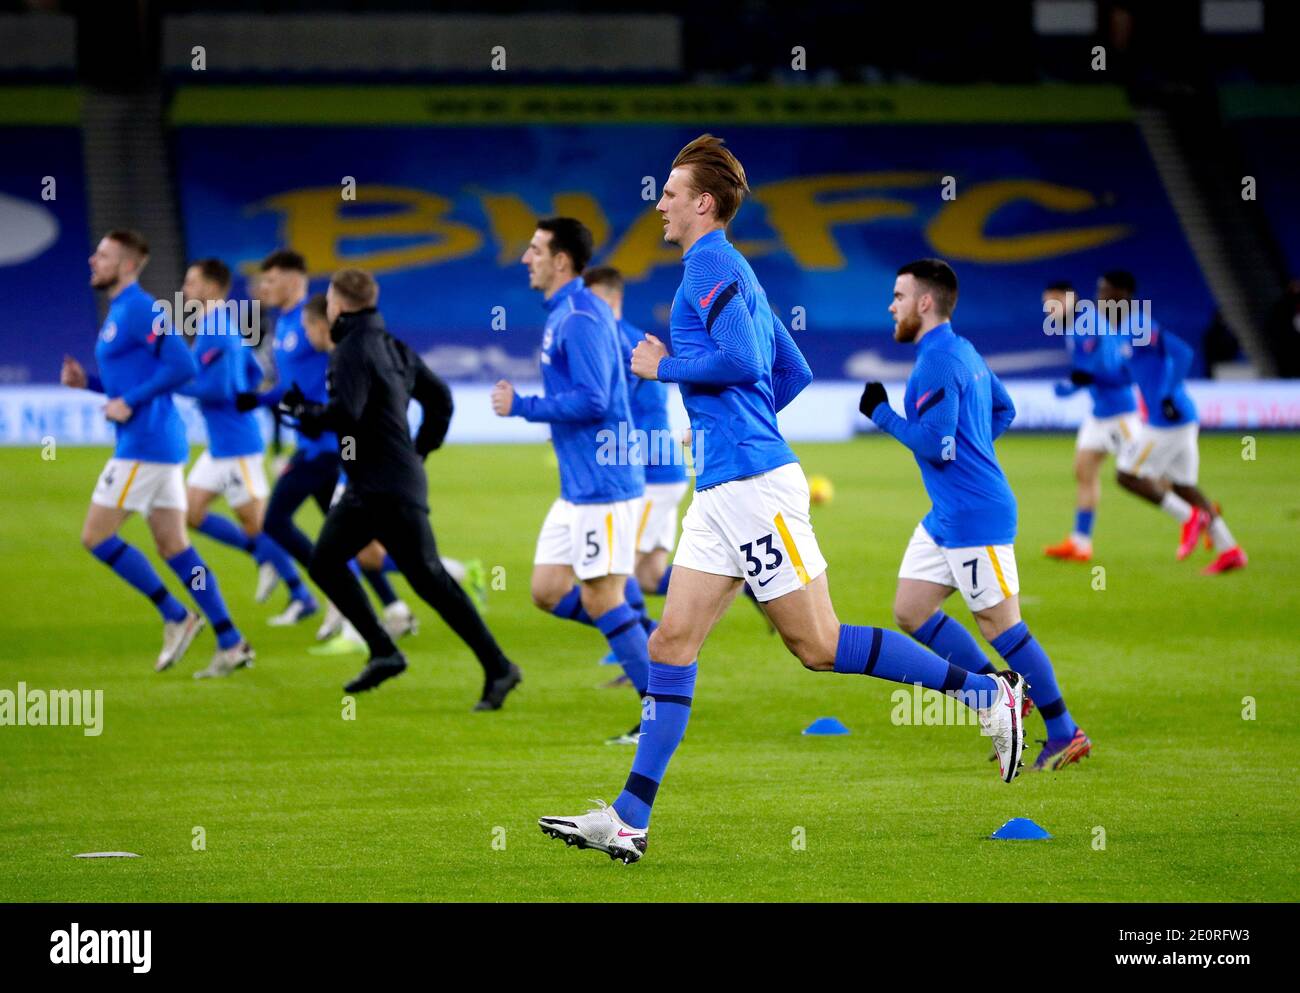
1083 523
226 531
949 640
202 584
268 551
132 566
636 600
1025 655
890 655
570 608
622 629
663 722
662 589
389 565
380 584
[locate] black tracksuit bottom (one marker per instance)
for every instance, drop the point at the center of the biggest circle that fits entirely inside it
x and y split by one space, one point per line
403 529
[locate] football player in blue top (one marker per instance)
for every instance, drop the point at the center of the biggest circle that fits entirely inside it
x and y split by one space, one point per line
232 465
141 363
1097 364
661 453
748 522
1162 463
590 531
955 409
313 471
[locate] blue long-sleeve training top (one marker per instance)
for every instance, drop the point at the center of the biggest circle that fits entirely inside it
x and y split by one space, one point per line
1102 355
1159 369
648 398
144 368
956 408
585 399
226 366
736 363
296 361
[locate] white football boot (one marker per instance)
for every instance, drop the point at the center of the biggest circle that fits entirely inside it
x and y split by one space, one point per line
399 620
267 580
227 660
1004 724
177 636
599 828
291 615
332 624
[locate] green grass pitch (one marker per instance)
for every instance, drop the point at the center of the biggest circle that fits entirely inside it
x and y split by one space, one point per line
420 799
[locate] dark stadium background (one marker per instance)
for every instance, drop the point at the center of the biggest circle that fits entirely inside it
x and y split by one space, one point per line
849 117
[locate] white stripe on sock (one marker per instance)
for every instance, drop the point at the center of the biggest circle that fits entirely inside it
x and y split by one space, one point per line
1176 507
1221 536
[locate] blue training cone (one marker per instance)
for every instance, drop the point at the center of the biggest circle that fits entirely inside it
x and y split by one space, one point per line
826 725
1020 829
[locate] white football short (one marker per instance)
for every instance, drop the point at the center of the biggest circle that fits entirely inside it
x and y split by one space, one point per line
1163 453
985 574
1107 434
595 539
239 478
126 484
757 529
657 527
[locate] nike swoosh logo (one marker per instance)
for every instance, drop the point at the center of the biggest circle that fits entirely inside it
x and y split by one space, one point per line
704 300
767 580
627 834
977 593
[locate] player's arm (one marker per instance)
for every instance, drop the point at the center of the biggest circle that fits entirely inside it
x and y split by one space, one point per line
73 374
1004 411
434 398
790 370
1178 361
214 382
350 371
175 368
592 358
937 390
730 326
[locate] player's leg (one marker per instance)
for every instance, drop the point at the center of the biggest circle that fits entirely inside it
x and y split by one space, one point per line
705 580
1139 468
398 618
1091 446
787 572
925 581
300 480
167 524
274 563
696 601
348 528
99 535
405 531
604 600
1183 472
1087 474
1002 627
652 572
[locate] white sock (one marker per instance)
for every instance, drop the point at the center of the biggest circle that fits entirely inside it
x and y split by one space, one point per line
455 568
1176 507
1081 541
1221 536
